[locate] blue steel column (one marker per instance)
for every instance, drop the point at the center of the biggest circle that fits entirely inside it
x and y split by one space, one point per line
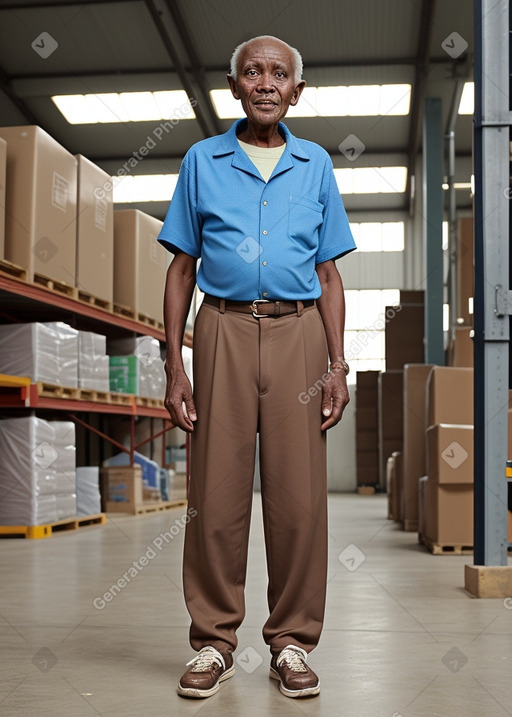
492 298
433 140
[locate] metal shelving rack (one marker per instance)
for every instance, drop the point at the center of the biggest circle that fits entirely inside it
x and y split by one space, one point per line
18 296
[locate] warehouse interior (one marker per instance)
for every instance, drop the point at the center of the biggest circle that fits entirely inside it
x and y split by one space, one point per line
99 103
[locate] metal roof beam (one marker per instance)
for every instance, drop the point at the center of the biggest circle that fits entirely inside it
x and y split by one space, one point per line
418 92
164 21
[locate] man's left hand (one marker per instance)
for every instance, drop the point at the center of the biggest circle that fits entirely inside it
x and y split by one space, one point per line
335 397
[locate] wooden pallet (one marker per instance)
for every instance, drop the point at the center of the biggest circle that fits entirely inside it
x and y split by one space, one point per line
149 321
58 286
366 490
51 390
147 402
13 269
94 300
46 530
121 399
157 507
444 549
123 310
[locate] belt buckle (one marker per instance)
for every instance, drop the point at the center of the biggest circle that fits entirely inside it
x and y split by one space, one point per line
254 307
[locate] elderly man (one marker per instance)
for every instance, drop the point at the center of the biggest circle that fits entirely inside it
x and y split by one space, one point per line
262 211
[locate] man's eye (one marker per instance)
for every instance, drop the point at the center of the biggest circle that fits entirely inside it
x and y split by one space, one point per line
280 75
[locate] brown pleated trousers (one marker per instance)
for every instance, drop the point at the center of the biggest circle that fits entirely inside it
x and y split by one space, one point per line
252 375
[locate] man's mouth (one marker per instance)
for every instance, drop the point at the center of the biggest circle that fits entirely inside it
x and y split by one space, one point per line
265 103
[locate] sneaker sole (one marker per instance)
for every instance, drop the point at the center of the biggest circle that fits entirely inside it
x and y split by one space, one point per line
201 694
306 692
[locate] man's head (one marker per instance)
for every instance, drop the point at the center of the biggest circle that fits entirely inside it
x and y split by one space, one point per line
266 77
297 58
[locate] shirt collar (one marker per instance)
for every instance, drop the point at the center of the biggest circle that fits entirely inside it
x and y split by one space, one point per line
228 143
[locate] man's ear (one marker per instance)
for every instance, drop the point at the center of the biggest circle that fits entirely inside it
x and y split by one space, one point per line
297 92
232 87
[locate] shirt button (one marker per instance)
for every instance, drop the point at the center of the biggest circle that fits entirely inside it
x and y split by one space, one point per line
264 263
265 293
265 203
265 232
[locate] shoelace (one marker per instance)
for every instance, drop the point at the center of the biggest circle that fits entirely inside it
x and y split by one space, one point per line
294 658
205 660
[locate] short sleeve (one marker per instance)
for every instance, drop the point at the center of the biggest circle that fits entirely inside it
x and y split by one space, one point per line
181 229
335 238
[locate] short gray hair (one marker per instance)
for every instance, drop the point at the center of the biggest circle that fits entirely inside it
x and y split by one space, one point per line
297 59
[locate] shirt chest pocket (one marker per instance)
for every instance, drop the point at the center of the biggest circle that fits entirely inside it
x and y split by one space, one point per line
304 218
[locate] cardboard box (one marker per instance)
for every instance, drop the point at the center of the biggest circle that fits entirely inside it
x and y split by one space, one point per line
413 452
367 418
450 457
367 467
412 297
421 506
461 350
367 441
121 489
40 226
94 231
390 419
465 269
450 396
449 514
3 170
140 263
404 336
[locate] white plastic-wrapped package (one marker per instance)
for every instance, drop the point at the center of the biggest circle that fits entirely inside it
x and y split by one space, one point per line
93 365
88 499
65 462
67 353
27 473
30 350
66 506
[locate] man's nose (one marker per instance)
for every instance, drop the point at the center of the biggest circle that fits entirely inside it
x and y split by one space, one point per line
266 83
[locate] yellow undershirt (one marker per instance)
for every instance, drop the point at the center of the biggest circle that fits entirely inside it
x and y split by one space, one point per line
264 159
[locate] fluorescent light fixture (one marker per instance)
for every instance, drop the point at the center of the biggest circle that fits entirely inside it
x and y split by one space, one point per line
371 180
446 317
144 188
458 185
336 101
113 107
378 236
467 100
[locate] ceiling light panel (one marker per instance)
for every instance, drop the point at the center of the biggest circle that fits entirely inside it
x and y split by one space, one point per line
114 107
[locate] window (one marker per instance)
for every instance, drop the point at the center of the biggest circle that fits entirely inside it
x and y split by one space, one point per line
365 322
378 236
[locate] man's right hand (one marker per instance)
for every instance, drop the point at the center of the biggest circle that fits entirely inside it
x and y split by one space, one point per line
177 393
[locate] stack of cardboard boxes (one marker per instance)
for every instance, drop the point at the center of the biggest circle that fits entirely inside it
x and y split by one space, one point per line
60 226
367 436
447 493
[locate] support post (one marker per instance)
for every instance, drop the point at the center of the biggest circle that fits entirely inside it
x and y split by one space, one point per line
433 229
491 304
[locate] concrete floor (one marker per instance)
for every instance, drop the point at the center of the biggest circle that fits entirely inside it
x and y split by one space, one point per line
401 638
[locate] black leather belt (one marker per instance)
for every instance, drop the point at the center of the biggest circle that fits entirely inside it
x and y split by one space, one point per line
260 307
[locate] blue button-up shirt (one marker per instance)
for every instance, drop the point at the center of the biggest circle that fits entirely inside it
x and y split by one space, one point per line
257 239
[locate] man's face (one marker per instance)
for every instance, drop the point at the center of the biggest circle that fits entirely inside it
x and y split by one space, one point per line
266 82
